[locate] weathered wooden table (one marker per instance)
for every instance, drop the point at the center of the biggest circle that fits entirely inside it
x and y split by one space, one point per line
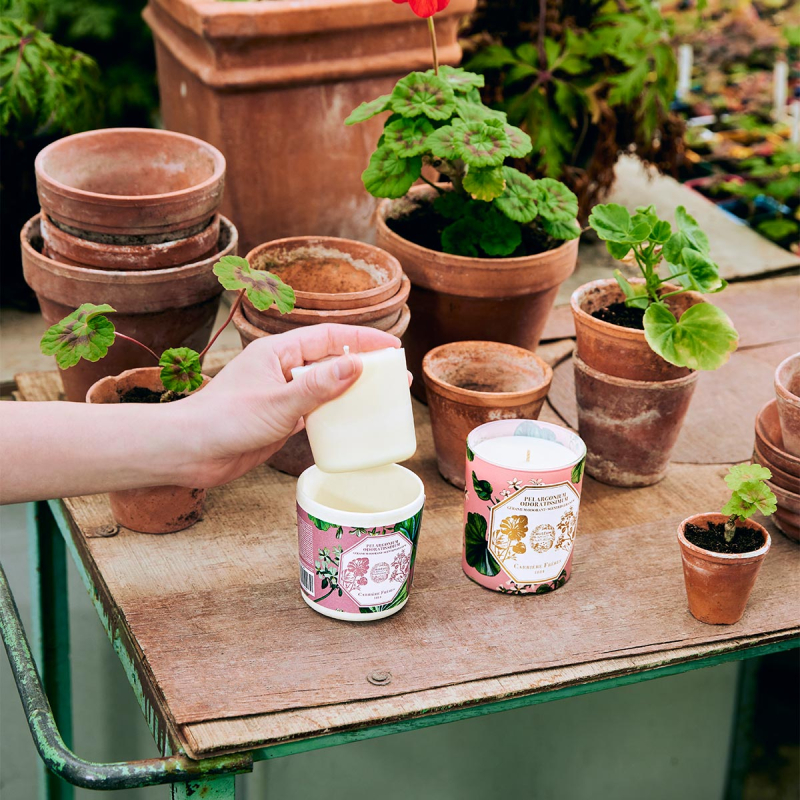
230 666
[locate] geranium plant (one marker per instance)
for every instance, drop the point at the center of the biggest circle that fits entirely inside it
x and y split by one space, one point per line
749 494
703 337
88 333
437 119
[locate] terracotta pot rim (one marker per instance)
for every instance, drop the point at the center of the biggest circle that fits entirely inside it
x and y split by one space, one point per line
761 458
761 435
337 300
781 388
732 559
124 200
659 386
477 398
114 379
780 491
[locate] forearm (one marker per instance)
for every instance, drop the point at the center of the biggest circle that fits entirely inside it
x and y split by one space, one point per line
53 450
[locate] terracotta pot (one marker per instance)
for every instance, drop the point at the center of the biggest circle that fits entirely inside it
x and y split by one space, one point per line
788 522
62 246
718 585
614 350
789 501
783 479
130 181
454 298
162 308
233 74
769 440
295 456
383 315
329 273
156 509
787 392
629 427
469 383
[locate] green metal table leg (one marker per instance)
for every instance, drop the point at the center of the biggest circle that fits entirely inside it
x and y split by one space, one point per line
217 789
50 615
742 734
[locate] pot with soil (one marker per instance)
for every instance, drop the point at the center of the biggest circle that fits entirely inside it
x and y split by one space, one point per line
173 307
470 383
787 393
155 509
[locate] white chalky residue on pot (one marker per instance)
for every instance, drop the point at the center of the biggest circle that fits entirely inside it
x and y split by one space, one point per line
286 256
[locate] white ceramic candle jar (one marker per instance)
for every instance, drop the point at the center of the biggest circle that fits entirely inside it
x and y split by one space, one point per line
357 534
523 489
372 423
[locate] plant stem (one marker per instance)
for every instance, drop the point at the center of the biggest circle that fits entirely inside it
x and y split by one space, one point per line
438 189
730 527
136 341
434 49
214 338
542 33
670 294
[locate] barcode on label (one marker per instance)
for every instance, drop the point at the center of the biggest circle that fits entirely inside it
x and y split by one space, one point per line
307 580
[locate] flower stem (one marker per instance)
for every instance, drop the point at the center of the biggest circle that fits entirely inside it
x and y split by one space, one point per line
236 304
423 178
119 335
434 49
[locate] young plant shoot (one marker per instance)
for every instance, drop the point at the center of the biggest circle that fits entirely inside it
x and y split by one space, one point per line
704 337
749 494
88 333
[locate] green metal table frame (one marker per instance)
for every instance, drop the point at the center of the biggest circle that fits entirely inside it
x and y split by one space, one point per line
45 693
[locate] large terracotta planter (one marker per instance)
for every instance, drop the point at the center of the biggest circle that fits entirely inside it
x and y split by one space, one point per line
469 383
162 308
130 182
235 73
718 585
613 349
629 427
156 509
455 298
787 393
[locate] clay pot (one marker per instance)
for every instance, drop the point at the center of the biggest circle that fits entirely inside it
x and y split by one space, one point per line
629 427
162 308
788 522
613 349
295 456
787 392
454 298
769 441
718 585
783 479
327 273
156 509
469 383
383 315
234 74
130 181
62 246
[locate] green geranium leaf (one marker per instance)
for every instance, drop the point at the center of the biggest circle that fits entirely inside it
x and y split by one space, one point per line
474 111
661 232
577 471
518 200
613 223
735 507
482 144
520 142
470 454
85 333
441 143
369 109
420 93
389 175
703 338
320 524
410 527
408 137
459 79
261 287
555 201
451 205
461 238
562 229
700 272
484 184
688 236
757 496
500 236
482 488
635 293
181 370
617 250
742 474
476 548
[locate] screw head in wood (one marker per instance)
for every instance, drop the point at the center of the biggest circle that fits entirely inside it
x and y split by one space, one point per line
379 677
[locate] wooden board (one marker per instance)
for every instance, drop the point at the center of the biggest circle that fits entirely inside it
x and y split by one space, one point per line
220 631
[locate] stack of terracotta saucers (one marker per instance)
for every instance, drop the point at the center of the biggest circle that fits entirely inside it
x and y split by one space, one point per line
777 445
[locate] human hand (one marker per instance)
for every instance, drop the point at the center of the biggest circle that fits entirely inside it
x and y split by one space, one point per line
252 406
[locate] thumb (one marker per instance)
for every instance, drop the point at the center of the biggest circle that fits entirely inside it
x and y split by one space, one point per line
323 382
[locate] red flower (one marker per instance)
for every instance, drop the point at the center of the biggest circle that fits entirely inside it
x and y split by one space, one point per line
425 8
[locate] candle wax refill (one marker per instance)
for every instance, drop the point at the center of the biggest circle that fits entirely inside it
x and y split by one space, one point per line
524 452
371 424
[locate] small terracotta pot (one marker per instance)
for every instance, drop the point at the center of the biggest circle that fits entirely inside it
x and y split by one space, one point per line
769 440
613 349
718 585
130 181
327 273
787 393
62 246
295 456
454 298
469 383
629 427
162 308
156 509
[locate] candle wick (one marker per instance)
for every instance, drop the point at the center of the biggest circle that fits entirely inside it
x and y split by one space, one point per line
528 457
347 349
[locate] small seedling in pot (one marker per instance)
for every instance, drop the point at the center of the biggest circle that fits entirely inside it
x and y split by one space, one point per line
88 333
703 337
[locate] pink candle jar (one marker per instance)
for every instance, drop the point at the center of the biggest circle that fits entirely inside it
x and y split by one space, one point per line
523 490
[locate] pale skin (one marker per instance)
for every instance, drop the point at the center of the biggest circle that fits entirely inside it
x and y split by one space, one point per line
244 415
